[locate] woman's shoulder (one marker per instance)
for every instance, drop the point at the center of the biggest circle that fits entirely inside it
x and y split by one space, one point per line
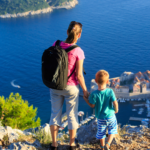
79 53
79 49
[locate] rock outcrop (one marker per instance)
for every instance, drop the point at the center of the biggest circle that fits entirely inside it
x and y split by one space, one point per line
129 137
87 132
11 136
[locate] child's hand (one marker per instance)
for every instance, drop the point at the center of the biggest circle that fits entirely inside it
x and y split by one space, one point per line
85 98
116 111
87 101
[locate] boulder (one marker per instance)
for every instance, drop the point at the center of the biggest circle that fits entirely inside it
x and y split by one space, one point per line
3 132
87 133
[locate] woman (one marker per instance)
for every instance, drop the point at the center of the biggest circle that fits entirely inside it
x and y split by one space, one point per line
71 93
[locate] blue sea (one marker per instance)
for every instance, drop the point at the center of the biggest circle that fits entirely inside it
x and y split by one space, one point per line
115 37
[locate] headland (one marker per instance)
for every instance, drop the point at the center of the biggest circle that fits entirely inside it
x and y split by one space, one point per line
66 5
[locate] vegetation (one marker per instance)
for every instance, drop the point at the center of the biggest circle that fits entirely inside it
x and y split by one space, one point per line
17 113
57 2
43 137
121 131
15 6
19 6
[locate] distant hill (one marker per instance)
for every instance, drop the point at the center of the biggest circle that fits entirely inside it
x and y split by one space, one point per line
19 6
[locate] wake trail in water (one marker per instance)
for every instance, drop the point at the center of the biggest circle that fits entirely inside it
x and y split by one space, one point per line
15 85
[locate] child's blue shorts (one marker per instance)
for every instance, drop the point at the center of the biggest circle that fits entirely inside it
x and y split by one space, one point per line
102 125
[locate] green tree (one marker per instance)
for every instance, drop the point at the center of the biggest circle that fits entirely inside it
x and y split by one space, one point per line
17 113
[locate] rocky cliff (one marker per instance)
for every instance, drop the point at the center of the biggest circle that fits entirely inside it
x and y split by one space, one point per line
128 138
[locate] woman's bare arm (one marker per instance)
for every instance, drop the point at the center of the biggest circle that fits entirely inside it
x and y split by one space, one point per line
80 78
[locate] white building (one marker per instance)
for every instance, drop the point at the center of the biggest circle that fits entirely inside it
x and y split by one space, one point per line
123 89
143 88
126 76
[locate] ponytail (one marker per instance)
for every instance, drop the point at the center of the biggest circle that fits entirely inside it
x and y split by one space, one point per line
73 31
71 37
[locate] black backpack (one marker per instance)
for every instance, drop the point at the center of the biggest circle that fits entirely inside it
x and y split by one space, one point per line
55 66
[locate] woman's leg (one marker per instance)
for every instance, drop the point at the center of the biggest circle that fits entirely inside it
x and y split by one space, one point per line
54 133
72 134
72 111
56 114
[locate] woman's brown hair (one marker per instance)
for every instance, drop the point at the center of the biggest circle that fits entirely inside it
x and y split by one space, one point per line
73 31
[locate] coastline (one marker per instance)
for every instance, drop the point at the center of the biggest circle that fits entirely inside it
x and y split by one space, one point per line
67 5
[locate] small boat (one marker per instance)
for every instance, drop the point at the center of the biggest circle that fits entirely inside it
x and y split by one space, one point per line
139 112
88 119
61 128
134 110
91 117
148 115
141 109
83 122
147 105
15 85
80 113
64 124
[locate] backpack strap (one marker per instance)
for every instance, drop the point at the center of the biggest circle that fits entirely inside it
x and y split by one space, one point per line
71 48
84 71
57 43
68 50
74 71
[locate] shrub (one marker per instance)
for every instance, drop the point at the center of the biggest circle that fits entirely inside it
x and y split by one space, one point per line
0 122
43 137
17 113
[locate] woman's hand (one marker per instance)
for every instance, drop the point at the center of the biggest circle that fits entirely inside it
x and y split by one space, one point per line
86 94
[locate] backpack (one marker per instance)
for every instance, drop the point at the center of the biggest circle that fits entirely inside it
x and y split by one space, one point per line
55 66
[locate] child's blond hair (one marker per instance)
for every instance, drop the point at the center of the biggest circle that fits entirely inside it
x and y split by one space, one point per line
102 77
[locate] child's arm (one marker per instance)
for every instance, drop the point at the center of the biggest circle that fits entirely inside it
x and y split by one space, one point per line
87 101
115 103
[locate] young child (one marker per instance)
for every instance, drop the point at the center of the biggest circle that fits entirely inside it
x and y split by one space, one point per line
106 106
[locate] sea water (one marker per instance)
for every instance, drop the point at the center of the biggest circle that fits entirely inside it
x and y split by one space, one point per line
115 37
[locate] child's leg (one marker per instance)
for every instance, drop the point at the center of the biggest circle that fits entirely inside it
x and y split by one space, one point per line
102 141
101 132
110 138
112 130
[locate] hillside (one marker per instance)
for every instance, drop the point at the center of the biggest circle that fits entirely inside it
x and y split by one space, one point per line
19 6
57 2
